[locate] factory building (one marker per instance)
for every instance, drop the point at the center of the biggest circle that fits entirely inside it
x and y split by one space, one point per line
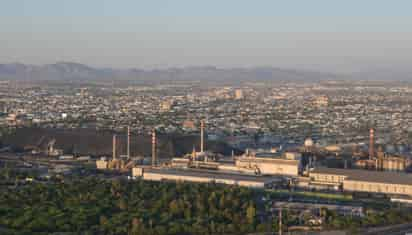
390 183
289 164
122 162
204 176
382 161
101 164
270 166
385 162
206 167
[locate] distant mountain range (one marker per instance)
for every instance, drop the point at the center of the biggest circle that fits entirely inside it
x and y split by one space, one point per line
75 71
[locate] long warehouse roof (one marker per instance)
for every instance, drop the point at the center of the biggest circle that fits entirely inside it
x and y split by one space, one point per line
368 175
212 174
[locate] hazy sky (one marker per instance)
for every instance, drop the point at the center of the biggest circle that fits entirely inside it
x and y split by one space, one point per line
331 35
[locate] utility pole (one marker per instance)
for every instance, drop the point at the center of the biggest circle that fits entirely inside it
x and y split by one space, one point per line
114 147
280 221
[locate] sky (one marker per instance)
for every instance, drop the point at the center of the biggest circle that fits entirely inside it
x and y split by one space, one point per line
324 35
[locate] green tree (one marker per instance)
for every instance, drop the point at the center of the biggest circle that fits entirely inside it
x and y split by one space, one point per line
251 213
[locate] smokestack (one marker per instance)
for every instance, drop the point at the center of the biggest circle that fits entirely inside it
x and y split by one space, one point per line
114 146
128 142
371 144
202 136
154 148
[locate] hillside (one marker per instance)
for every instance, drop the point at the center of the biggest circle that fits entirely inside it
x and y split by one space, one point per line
75 71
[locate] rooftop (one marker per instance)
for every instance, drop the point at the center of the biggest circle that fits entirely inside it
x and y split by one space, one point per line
212 174
269 160
367 175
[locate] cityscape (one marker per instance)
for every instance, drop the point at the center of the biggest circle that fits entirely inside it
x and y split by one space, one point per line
189 140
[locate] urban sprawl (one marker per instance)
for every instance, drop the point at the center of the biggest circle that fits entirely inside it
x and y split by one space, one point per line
340 142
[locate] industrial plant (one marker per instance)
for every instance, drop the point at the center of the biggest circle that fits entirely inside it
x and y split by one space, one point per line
377 173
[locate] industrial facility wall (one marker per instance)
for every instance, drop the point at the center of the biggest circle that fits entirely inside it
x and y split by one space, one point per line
160 177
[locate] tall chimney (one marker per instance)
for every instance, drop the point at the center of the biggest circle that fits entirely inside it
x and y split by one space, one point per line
114 147
154 148
371 144
128 142
202 136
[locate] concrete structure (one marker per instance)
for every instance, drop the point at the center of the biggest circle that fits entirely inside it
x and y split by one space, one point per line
270 166
203 176
388 162
391 183
385 162
395 163
288 164
102 164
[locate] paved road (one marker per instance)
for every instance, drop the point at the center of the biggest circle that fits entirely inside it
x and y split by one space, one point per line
402 229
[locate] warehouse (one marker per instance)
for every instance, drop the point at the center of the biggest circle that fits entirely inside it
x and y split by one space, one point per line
391 183
290 164
204 176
